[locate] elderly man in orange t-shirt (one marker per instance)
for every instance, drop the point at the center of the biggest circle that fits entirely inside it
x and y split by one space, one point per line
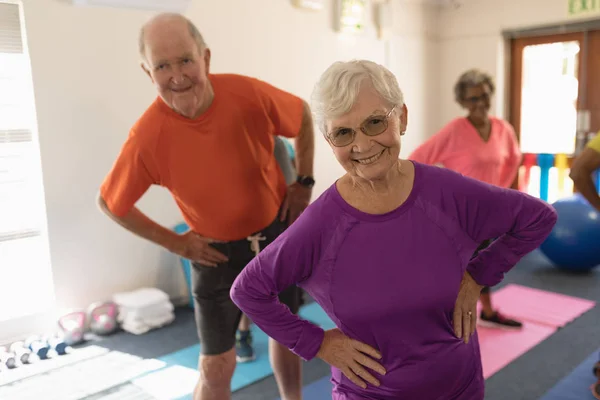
209 140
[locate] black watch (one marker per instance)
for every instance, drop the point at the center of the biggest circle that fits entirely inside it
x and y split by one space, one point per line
306 181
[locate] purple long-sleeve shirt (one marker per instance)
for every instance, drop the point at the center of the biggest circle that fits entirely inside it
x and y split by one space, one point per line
391 280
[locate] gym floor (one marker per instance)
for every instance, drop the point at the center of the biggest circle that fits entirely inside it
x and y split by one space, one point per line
526 378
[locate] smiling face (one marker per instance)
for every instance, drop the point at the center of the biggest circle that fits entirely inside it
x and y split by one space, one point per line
368 157
476 100
177 67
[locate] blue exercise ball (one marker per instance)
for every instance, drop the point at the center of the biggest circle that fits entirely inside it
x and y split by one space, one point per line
574 243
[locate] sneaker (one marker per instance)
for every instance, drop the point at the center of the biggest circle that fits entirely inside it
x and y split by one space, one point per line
243 347
498 320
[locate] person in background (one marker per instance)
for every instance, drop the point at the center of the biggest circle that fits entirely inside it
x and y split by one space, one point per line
243 344
209 140
284 154
596 386
582 171
479 146
386 252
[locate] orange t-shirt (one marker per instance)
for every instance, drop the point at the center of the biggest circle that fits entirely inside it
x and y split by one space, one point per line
220 167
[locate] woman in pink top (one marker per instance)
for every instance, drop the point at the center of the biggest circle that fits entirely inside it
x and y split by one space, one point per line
479 146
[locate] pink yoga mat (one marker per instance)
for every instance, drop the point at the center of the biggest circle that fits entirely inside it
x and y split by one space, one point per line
500 347
541 312
535 305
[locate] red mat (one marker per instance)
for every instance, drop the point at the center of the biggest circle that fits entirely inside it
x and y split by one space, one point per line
541 312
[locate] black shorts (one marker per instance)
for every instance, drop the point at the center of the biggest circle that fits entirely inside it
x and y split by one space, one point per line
217 317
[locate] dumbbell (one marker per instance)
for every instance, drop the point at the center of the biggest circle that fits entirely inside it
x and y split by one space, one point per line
22 353
8 359
38 347
58 345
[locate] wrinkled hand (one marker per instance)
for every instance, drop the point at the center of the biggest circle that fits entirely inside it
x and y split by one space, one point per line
465 309
197 248
296 201
350 357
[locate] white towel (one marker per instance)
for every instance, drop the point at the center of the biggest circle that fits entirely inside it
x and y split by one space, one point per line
140 326
143 309
140 298
146 312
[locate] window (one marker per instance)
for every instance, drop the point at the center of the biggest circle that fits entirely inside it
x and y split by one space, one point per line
24 257
549 97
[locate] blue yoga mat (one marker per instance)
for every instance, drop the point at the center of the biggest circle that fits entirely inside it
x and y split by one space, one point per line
248 373
317 390
576 385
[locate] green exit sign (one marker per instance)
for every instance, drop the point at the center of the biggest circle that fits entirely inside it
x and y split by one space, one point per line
583 8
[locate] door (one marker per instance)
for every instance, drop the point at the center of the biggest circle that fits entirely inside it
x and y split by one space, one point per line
554 106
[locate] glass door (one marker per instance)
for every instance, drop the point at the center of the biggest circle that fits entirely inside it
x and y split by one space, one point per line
555 106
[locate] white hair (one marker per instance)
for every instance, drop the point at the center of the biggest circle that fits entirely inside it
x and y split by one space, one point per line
194 32
338 88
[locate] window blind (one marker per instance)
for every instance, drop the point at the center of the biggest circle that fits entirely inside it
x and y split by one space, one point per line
11 39
20 187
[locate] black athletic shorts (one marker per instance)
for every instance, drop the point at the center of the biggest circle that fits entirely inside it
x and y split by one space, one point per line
217 317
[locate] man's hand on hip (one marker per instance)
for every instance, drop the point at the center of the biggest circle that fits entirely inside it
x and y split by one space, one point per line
295 202
198 249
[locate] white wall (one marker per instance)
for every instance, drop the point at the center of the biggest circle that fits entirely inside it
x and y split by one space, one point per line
470 36
89 90
415 61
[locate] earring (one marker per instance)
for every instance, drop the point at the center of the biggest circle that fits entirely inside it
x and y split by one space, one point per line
402 133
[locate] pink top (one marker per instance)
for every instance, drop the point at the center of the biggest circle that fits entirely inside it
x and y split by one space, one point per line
459 147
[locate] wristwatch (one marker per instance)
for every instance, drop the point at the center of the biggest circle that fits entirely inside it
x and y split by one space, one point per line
306 181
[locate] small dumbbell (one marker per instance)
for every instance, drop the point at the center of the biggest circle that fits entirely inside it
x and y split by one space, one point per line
8 359
58 345
38 347
23 354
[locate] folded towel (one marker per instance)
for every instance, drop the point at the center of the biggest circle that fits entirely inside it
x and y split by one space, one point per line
135 329
151 320
146 312
140 298
139 327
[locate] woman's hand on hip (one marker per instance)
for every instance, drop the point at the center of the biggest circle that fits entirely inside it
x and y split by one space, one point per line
198 249
465 309
351 357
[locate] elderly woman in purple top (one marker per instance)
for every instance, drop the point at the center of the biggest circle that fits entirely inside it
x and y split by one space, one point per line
387 252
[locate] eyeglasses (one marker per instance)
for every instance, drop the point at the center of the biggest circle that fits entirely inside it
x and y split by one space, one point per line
476 99
372 126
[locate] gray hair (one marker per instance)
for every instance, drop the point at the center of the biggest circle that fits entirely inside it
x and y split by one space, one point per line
194 32
471 78
338 88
